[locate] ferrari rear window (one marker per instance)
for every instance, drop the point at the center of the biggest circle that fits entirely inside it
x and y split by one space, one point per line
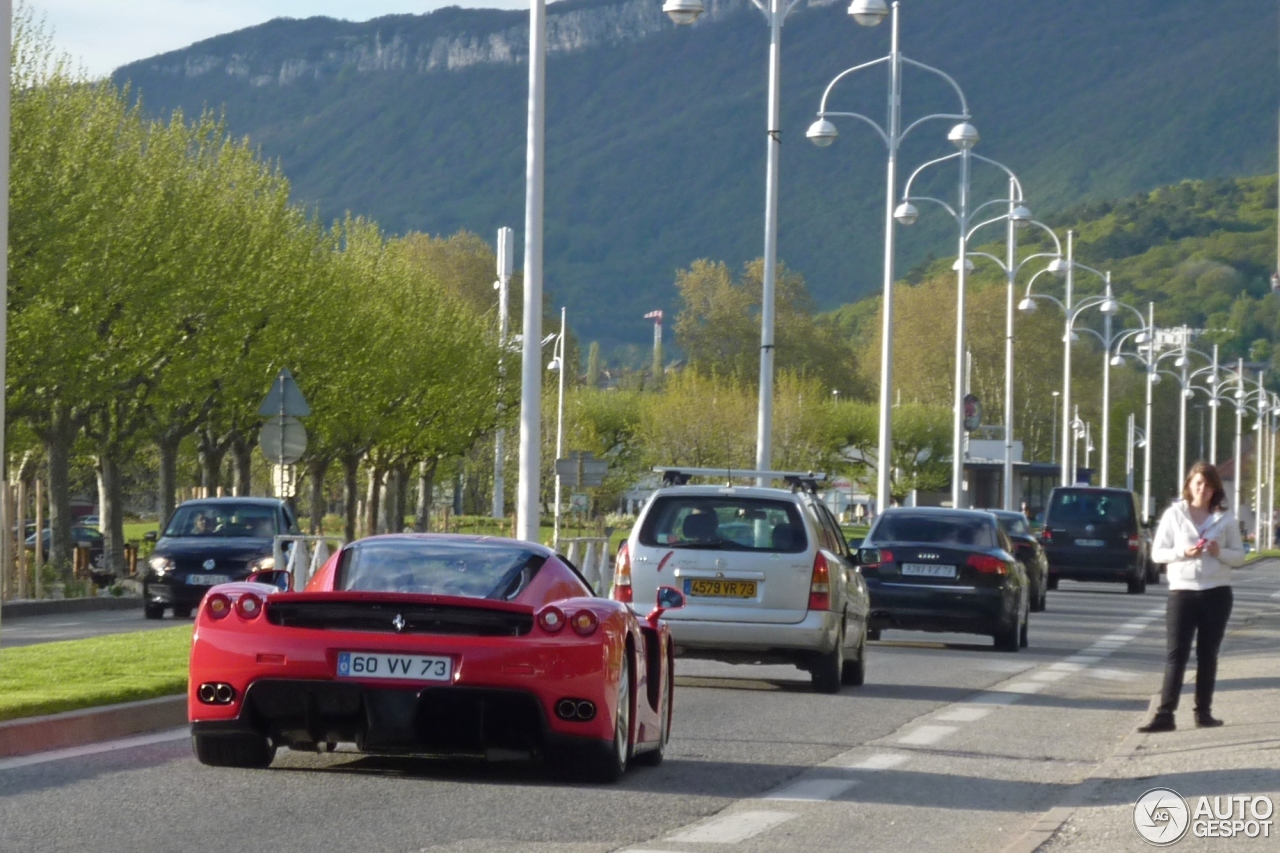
467 569
724 522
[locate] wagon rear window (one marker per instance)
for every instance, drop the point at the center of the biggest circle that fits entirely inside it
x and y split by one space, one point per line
725 522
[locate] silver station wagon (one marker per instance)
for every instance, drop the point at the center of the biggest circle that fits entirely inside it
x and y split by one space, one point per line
766 573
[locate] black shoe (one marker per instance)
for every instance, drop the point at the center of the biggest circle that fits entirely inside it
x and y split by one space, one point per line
1161 722
1205 721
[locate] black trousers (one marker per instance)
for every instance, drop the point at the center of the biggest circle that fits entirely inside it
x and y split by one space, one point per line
1201 614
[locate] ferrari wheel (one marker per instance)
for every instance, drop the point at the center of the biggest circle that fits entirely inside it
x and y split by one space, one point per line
606 761
233 750
654 757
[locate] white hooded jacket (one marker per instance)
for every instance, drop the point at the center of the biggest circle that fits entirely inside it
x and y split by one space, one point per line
1177 532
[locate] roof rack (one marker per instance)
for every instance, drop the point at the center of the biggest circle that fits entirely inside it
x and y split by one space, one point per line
804 480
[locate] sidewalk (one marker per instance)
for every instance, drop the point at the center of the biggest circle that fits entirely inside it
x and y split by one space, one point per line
1241 758
19 608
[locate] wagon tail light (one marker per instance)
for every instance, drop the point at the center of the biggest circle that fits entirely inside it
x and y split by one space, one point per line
987 565
1133 543
820 584
622 575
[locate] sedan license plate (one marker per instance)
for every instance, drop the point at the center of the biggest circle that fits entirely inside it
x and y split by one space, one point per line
207 580
1090 543
720 588
401 667
928 570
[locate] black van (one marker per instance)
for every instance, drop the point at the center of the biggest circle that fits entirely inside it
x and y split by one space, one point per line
1093 534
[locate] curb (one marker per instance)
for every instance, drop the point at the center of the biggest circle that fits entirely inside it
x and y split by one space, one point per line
50 606
76 728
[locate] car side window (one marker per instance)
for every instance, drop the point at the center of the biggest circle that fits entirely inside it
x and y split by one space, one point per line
833 528
1005 542
824 535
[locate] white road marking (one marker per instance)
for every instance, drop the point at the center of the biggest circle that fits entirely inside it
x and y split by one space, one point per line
1112 674
732 828
963 714
1116 638
1025 687
95 748
1066 666
1082 660
1275 595
879 761
926 735
1156 611
1051 675
812 790
992 698
1137 624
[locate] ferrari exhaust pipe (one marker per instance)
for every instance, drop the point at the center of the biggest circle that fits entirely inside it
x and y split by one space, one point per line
586 710
208 694
225 693
567 709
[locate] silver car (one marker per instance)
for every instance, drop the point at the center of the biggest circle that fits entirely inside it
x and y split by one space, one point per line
766 573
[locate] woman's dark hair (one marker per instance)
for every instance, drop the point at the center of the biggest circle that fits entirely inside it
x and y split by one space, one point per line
1210 473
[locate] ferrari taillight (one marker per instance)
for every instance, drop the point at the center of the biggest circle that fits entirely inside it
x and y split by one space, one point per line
987 564
218 606
820 584
622 575
551 619
249 606
584 622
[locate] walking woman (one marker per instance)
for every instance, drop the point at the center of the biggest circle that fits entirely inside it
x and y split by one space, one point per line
1200 541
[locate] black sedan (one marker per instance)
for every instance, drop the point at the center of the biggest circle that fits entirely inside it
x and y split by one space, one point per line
1026 547
81 537
945 570
209 542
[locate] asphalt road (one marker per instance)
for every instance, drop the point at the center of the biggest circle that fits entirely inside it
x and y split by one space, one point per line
949 745
29 630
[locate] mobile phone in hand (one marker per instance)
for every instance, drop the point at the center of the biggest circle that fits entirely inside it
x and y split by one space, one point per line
1201 543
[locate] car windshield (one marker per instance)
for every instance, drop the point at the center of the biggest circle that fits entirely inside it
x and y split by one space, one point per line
935 529
1092 507
225 520
467 569
724 521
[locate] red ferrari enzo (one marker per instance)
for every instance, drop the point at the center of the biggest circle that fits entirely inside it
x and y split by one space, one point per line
432 645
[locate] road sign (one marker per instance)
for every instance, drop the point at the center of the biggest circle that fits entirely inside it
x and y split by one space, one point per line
581 469
284 480
284 398
283 440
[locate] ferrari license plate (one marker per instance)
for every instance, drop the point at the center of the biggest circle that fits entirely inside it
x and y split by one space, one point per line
1090 543
400 667
720 588
928 570
207 580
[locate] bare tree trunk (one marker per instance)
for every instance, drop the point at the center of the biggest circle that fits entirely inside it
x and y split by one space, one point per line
167 488
57 444
374 501
111 512
242 474
350 495
401 480
317 467
426 485
211 453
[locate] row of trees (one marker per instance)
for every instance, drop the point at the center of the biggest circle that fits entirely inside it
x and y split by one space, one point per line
160 277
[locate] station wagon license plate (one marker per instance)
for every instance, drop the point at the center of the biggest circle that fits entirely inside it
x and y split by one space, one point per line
401 667
928 570
720 588
1090 543
207 580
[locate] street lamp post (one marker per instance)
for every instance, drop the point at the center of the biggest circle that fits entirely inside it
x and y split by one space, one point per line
964 137
822 133
1053 430
505 269
775 11
557 364
1018 216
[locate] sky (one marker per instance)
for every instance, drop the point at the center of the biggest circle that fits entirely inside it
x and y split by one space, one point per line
102 35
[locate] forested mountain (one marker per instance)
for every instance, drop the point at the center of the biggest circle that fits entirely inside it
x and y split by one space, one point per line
655 147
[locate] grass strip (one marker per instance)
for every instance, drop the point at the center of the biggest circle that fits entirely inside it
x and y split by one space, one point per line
48 678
